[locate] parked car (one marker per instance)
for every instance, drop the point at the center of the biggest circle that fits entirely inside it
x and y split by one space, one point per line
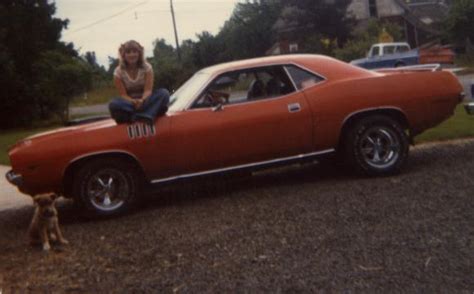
241 115
384 55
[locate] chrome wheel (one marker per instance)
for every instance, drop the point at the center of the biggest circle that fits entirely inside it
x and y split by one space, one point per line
107 189
380 147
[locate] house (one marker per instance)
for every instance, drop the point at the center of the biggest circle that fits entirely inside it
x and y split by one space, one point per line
421 20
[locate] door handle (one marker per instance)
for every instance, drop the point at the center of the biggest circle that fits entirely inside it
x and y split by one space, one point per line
294 107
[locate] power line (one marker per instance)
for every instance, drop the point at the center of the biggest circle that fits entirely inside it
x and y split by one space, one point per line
107 18
181 11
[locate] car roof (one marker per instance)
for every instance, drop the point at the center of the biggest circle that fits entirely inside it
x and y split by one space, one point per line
327 67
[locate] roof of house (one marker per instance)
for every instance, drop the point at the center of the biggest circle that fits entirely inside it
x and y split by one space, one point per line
423 14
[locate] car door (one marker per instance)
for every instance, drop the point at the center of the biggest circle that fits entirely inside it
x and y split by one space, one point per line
248 125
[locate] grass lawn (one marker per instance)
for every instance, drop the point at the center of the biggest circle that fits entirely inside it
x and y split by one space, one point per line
460 125
97 96
10 137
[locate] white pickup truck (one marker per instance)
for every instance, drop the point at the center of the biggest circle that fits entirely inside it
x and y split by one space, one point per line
400 54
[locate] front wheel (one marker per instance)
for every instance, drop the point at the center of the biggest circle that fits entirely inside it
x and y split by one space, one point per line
106 187
377 146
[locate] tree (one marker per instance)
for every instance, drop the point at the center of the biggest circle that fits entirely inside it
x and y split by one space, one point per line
67 76
169 72
459 25
321 23
27 30
91 59
113 63
249 32
361 41
100 75
207 50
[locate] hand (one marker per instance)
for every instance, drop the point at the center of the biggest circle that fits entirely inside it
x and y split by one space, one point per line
137 103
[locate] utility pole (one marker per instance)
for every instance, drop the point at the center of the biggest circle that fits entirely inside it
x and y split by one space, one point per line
175 31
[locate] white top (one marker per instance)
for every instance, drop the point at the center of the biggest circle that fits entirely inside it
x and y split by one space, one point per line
134 87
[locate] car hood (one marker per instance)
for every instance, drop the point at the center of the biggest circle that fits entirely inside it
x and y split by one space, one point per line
66 131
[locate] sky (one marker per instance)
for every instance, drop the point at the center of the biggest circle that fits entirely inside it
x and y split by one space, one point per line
101 26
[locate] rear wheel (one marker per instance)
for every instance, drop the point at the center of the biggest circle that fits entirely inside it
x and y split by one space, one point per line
107 187
376 146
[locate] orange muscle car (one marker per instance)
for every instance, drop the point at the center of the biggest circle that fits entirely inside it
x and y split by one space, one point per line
242 115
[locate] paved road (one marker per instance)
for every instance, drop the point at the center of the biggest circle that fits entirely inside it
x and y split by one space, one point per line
467 81
10 198
92 109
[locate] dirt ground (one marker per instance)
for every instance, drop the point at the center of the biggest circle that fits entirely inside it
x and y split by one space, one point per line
305 229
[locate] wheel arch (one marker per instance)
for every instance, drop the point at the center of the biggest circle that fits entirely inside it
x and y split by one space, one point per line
78 162
395 113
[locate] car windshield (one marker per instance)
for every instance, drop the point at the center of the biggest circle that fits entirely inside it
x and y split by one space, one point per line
182 97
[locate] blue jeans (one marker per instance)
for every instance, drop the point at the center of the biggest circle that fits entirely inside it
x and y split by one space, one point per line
156 104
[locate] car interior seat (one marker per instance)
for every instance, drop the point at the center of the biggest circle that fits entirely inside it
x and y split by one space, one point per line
273 87
256 90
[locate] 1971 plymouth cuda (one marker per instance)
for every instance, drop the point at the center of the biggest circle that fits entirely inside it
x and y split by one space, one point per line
242 115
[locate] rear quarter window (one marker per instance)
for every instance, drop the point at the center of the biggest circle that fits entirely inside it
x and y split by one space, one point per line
302 78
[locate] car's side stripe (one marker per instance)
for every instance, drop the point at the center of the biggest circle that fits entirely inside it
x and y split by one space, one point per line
249 165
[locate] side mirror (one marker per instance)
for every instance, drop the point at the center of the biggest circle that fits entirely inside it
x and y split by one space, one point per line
218 107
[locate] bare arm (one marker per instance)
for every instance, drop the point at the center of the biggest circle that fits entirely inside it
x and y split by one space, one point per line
148 84
121 88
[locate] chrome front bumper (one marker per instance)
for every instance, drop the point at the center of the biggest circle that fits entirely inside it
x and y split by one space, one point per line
14 179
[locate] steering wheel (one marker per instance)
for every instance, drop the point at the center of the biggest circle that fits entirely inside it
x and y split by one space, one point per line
215 98
210 99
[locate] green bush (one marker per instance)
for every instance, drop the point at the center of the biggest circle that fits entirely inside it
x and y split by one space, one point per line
59 79
361 41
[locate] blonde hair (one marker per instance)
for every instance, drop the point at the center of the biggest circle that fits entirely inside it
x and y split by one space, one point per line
131 45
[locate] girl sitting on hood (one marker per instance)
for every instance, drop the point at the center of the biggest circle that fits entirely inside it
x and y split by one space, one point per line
133 78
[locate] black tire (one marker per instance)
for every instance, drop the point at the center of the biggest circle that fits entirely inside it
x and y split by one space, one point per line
376 146
121 193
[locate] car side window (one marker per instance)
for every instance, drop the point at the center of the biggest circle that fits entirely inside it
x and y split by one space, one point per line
402 49
302 78
245 86
375 51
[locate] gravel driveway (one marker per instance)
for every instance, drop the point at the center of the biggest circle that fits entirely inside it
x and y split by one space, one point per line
288 230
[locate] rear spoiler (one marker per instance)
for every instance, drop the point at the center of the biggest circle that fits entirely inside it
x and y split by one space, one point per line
420 67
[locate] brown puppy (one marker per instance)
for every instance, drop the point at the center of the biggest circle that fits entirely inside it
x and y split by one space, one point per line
44 225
